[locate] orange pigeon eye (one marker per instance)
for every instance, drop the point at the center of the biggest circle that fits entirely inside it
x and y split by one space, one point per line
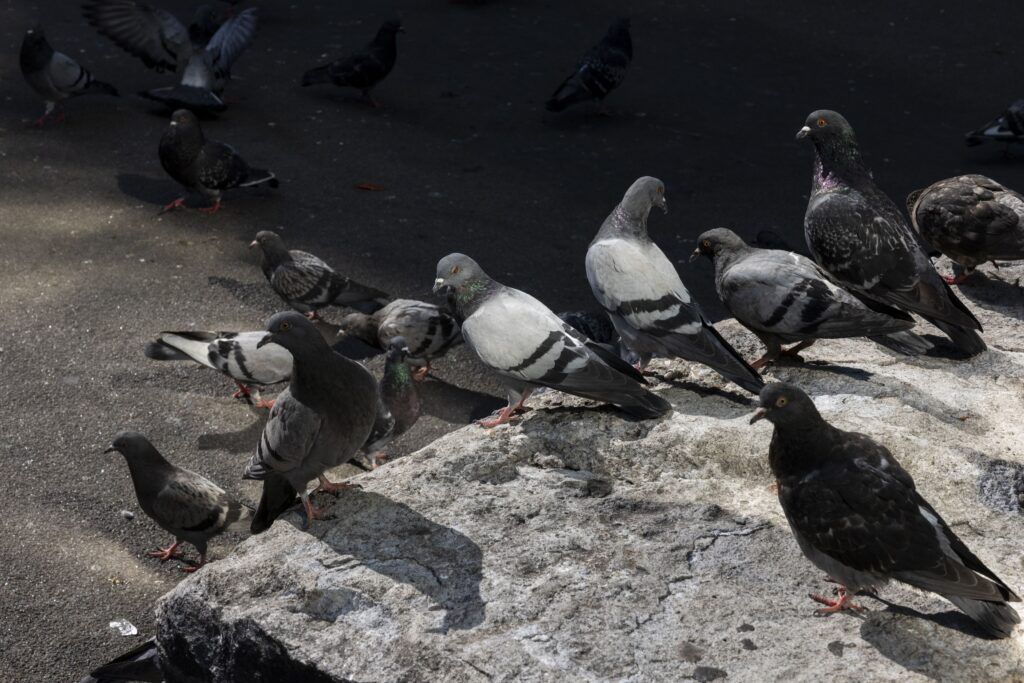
455 269
781 402
706 244
822 123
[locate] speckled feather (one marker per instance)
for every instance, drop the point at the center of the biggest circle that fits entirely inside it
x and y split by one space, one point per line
602 69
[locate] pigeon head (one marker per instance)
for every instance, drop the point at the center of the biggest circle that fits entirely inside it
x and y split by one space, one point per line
272 246
183 135
294 332
398 350
183 119
714 243
785 405
644 193
133 446
458 273
35 51
825 126
390 28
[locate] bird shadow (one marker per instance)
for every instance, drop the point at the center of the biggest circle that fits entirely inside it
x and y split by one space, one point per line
993 293
156 191
394 540
825 366
586 116
249 293
704 391
240 441
347 345
454 404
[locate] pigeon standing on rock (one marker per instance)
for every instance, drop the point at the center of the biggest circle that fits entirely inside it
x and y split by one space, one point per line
236 354
971 219
529 346
320 421
1008 128
363 69
784 298
399 406
306 283
641 291
202 165
600 71
856 514
54 75
860 238
182 503
201 55
428 330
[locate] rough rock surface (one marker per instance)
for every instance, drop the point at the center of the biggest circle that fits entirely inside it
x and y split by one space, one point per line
579 546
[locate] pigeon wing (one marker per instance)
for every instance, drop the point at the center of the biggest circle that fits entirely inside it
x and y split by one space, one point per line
153 35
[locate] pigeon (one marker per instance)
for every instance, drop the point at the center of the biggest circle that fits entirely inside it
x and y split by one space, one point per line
429 330
363 69
399 402
600 71
971 219
640 289
529 346
54 75
202 165
1008 128
183 503
320 421
236 354
142 663
857 515
860 238
783 298
594 325
306 283
200 55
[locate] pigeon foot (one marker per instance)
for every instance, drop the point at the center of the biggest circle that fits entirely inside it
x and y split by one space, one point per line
189 569
243 391
959 279
419 374
176 204
265 403
211 209
378 459
164 554
334 488
844 602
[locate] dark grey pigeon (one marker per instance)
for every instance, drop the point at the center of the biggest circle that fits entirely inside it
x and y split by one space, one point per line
428 330
320 421
600 71
182 503
860 238
235 354
529 346
142 663
1008 127
594 325
54 75
200 55
971 219
641 291
306 283
363 69
785 298
202 165
856 514
399 406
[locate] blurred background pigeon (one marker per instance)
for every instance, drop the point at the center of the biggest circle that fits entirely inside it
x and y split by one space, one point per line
364 69
600 71
1007 128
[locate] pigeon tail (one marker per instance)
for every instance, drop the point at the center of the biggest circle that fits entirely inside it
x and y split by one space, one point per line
724 359
182 346
997 618
278 497
320 74
906 342
139 664
968 341
100 88
645 405
186 97
259 176
568 94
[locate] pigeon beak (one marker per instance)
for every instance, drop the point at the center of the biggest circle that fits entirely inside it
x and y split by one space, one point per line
661 203
803 132
266 340
695 255
254 243
111 449
438 285
758 415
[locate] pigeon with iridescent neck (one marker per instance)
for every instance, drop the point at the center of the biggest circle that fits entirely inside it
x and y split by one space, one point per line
399 406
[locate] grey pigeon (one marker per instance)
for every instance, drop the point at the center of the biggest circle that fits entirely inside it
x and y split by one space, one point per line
200 55
857 515
600 71
529 346
399 406
860 238
54 75
785 298
428 330
641 291
235 354
306 283
971 219
202 165
142 663
363 69
320 421
182 503
1008 127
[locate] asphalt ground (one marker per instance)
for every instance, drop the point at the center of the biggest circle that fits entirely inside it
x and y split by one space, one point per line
467 161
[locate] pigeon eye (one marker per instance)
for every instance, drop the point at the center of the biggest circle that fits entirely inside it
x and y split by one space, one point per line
285 326
661 190
455 269
822 123
781 402
706 244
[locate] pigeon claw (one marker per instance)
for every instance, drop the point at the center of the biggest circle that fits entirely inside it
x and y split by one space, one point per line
176 204
334 488
164 554
194 566
420 374
844 601
503 416
265 403
214 208
957 280
378 459
243 391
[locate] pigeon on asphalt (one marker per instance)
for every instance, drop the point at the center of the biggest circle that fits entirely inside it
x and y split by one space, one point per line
971 219
54 75
320 421
860 238
529 346
236 354
399 405
182 503
202 165
363 69
857 516
1008 128
306 283
785 298
600 71
142 663
428 329
641 291
201 55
